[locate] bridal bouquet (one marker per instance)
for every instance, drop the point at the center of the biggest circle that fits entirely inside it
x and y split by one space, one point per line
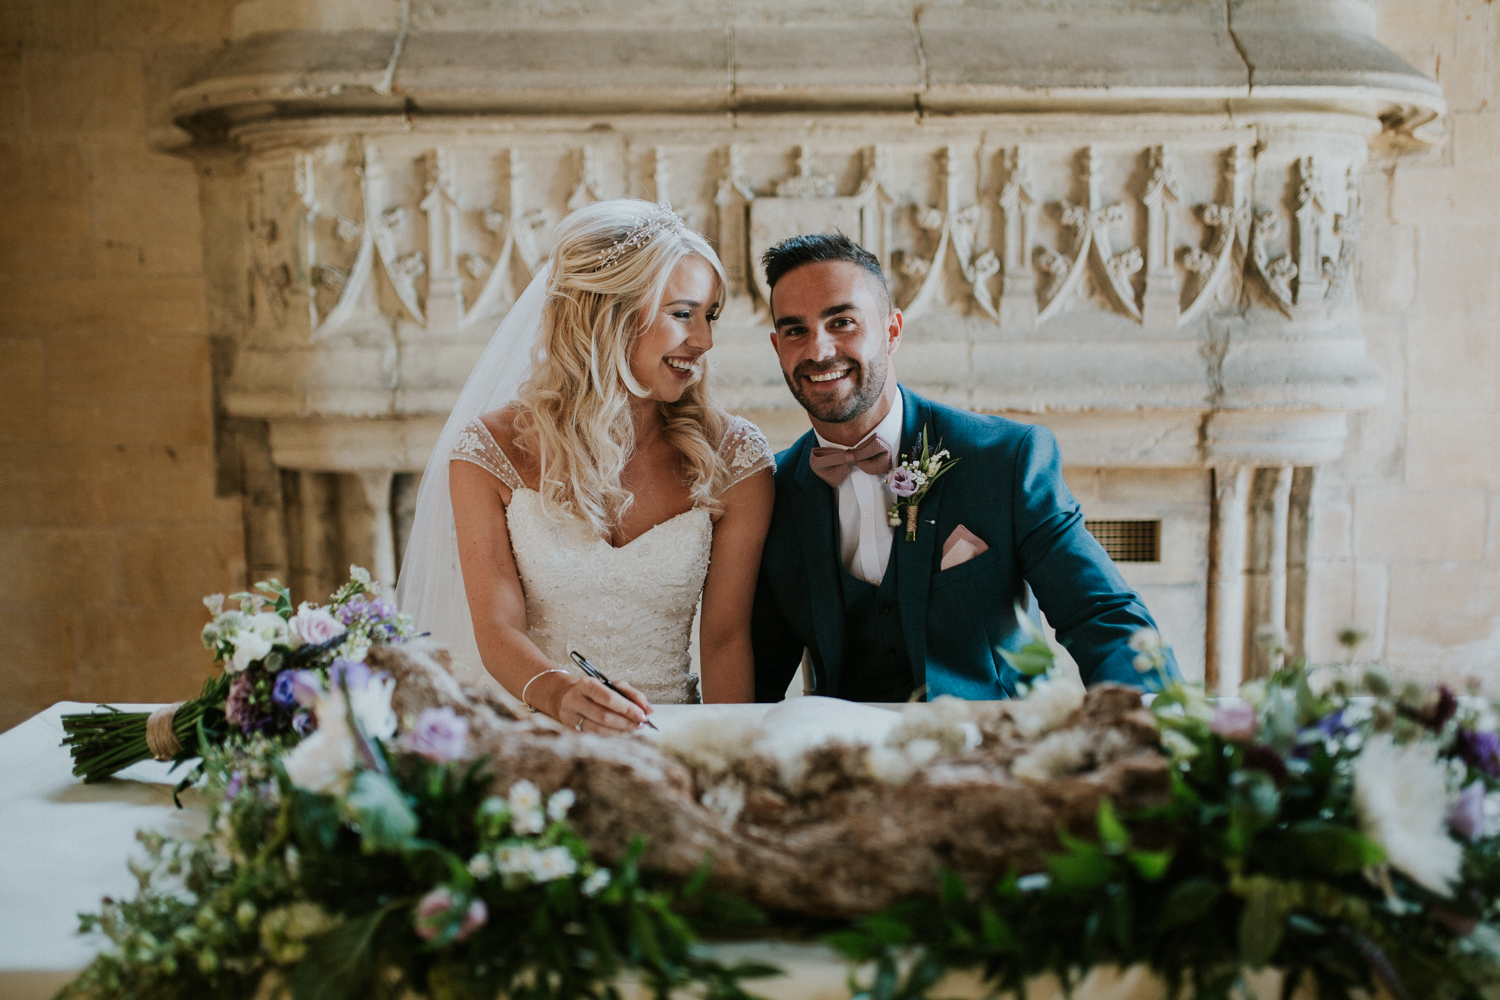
260 645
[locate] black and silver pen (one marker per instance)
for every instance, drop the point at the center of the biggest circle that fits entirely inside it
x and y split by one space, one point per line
598 675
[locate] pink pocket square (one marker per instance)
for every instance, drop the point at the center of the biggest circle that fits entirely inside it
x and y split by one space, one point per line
960 547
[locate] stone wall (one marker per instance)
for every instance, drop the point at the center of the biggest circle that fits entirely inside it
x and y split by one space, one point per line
111 530
1407 542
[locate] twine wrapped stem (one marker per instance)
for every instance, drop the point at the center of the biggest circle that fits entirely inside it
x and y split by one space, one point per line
160 739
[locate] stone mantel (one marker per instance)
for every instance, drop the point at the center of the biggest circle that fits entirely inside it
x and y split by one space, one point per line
1093 56
1137 222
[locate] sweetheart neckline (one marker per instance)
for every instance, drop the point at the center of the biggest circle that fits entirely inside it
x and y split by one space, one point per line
606 542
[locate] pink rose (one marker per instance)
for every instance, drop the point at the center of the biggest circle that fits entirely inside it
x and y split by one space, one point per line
311 626
1235 721
901 482
434 910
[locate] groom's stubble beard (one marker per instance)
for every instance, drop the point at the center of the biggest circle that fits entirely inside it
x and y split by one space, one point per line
868 381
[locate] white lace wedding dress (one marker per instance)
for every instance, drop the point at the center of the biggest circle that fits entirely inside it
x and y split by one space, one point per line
628 609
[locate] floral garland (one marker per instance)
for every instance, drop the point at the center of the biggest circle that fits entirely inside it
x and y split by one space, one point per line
361 865
1327 825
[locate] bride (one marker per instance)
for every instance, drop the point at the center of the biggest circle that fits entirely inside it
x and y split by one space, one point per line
586 490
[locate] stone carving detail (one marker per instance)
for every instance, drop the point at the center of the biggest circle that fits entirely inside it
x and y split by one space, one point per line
1346 226
1091 224
447 235
1213 270
807 203
1018 208
1162 190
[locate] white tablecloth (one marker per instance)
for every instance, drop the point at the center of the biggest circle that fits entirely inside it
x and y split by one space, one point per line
67 844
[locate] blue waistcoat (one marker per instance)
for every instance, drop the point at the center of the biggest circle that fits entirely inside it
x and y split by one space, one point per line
877 667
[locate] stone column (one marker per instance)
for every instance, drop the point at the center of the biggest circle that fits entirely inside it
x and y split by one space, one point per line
1280 507
369 530
1226 578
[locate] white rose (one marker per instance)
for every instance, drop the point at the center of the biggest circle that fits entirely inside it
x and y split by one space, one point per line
1402 801
313 625
325 760
248 647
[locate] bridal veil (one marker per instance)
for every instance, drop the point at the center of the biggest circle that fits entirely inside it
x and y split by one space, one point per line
430 587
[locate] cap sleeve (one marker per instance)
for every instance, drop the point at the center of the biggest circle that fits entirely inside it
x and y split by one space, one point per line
477 445
745 450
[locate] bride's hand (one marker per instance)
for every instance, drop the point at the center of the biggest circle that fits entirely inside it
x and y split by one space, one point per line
590 707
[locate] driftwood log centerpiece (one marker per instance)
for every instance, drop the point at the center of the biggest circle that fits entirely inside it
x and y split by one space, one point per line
818 807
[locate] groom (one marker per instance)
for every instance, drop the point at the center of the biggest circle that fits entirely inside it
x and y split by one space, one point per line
881 616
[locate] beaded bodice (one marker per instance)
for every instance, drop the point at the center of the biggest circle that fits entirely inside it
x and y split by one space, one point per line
628 609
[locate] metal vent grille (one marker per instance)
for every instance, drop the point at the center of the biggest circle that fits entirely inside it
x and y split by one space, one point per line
1128 541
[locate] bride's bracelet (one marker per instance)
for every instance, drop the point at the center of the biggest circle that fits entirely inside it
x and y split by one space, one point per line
544 673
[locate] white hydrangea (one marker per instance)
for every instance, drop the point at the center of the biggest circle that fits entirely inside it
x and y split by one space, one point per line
525 862
558 805
596 883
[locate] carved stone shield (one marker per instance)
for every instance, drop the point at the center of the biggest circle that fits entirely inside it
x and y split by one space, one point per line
774 219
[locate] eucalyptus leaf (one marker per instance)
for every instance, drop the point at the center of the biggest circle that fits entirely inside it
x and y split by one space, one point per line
1261 922
1330 848
1188 902
1112 833
340 964
314 818
386 821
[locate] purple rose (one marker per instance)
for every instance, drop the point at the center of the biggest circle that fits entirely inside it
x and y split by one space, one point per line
433 914
1467 815
306 686
1234 721
440 735
348 674
237 705
284 690
901 482
1481 750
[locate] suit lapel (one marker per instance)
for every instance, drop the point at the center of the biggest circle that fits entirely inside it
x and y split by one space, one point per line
914 559
812 510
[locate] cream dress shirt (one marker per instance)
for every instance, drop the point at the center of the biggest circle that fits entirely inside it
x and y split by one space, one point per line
864 533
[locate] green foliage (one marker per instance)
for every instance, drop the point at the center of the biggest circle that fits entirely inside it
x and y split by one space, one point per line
418 878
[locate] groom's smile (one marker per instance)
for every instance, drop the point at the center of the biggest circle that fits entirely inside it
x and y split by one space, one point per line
835 332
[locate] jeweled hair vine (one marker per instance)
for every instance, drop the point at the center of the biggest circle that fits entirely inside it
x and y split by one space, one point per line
609 269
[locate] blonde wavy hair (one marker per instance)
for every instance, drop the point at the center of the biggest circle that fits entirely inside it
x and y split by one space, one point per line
609 271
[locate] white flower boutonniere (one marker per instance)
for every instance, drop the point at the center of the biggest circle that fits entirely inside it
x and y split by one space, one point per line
911 480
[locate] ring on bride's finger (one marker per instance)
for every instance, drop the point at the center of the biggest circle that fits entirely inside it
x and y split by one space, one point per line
579 727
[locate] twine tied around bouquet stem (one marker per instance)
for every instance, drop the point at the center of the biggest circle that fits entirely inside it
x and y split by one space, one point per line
911 521
160 739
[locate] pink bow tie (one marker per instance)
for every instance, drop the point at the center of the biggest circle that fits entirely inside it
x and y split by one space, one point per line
832 465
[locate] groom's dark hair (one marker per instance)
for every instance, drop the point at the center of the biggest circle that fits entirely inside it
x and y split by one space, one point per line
816 248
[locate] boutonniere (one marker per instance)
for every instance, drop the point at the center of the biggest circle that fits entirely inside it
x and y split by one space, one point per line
911 480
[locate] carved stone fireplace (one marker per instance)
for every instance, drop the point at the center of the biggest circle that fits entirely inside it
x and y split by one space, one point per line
1137 224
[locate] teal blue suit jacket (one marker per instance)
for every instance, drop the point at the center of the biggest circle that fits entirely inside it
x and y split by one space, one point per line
1007 488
